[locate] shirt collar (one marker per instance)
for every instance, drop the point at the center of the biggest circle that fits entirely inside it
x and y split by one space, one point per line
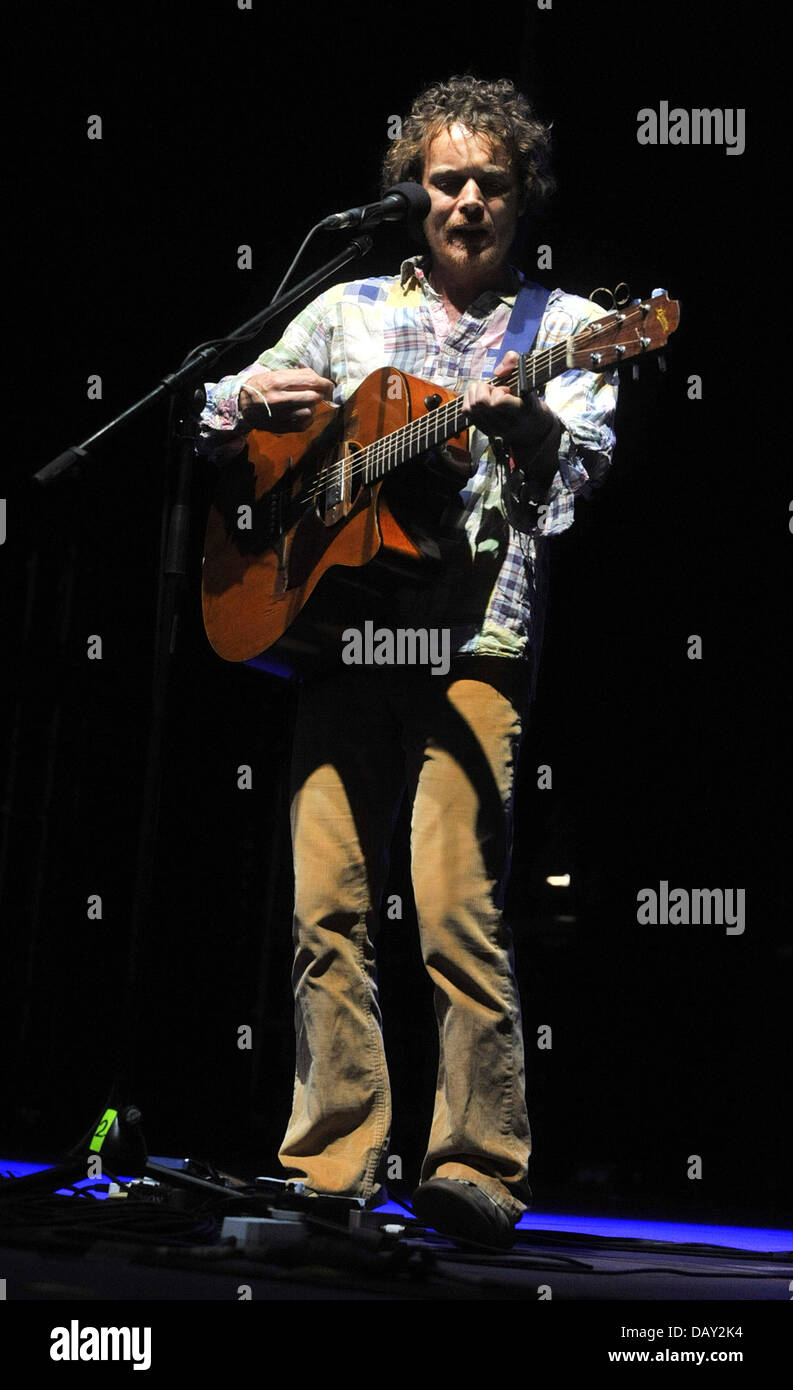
414 272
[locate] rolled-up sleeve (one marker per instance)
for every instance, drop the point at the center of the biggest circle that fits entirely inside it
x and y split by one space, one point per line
586 403
222 431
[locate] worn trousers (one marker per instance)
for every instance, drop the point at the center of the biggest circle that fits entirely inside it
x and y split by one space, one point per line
363 738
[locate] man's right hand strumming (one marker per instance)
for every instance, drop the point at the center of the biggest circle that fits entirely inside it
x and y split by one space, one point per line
291 394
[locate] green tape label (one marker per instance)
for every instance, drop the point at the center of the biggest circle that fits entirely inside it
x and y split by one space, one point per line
101 1131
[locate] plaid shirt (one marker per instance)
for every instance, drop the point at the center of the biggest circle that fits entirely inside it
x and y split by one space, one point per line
490 595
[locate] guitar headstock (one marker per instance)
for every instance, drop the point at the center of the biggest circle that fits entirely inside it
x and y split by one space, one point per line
641 327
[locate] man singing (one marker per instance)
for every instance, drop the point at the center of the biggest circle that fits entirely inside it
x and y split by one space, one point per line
365 735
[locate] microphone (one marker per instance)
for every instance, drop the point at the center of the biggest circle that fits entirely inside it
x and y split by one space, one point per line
403 200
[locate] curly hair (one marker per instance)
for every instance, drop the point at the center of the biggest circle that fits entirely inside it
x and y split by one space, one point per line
496 109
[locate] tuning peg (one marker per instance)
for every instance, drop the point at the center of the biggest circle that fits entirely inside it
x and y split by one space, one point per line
661 362
656 293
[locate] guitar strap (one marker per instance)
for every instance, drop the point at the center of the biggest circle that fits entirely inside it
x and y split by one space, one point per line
525 319
521 334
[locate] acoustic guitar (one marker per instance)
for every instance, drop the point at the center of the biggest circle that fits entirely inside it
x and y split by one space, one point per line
292 507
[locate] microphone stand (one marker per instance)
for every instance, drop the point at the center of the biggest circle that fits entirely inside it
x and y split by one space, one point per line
194 369
185 388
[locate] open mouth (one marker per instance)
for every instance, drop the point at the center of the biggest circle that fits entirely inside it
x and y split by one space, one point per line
472 234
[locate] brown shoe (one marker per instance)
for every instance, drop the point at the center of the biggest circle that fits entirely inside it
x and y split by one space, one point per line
459 1209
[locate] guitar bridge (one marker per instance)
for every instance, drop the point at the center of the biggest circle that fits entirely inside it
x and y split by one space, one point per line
336 492
335 500
282 549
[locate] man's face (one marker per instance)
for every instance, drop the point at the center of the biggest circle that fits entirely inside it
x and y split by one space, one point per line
475 197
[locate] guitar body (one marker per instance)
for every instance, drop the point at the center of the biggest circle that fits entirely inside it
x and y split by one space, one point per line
256 581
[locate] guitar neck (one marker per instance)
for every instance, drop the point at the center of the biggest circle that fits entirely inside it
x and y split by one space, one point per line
444 423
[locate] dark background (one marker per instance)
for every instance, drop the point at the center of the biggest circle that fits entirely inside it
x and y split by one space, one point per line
223 127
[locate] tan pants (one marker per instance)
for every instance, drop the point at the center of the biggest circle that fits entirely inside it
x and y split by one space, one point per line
361 737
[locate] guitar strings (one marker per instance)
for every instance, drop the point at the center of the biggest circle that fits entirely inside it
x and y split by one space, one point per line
380 455
381 451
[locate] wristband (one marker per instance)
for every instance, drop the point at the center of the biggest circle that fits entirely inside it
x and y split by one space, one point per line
254 391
